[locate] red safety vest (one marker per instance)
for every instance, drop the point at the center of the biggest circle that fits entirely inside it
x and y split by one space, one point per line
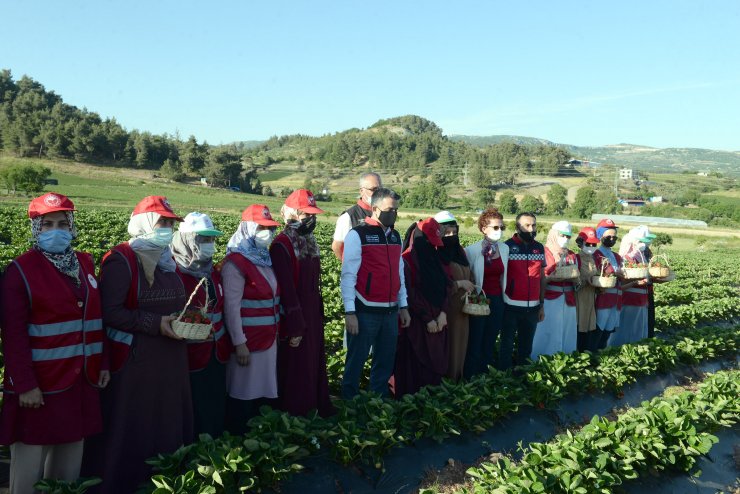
378 278
199 351
260 310
608 297
555 289
636 295
121 341
65 334
523 273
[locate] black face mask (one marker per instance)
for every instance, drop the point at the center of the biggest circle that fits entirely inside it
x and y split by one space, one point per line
308 224
452 242
388 218
608 242
526 236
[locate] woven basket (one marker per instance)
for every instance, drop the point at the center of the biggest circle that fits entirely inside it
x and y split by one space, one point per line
660 271
635 273
475 309
602 281
565 272
190 330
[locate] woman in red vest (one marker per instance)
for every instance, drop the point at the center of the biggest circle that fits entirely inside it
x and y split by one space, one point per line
252 316
557 332
53 341
303 384
193 246
147 407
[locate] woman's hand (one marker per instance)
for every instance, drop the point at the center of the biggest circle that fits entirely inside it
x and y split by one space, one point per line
104 379
295 341
243 357
466 285
441 321
432 326
31 399
165 327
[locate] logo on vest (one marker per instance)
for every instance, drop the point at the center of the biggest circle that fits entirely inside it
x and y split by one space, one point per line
372 238
92 281
514 248
52 200
535 251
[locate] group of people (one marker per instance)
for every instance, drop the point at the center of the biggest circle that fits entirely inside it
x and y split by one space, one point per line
95 360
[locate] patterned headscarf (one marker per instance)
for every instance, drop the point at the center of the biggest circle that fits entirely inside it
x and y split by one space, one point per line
66 262
242 242
552 245
629 247
303 245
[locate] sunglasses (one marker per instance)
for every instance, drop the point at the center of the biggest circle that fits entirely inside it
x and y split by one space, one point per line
496 227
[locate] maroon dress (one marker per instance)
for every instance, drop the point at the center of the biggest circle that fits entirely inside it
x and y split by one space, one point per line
303 384
422 358
147 406
65 417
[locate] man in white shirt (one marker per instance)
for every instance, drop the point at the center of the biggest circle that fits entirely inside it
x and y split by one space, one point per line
356 214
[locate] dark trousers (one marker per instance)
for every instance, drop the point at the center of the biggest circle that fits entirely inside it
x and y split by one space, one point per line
522 323
590 341
379 331
482 335
651 314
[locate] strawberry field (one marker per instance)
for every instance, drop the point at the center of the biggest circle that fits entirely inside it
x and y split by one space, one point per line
692 315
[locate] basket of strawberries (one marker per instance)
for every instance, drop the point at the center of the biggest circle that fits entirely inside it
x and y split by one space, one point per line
565 272
193 324
659 268
604 280
476 304
634 270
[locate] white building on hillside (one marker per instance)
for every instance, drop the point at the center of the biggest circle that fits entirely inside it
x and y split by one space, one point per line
628 174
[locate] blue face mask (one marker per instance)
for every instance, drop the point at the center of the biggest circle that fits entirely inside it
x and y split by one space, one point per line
55 241
162 237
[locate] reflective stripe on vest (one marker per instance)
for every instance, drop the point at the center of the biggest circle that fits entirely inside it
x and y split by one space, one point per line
39 355
261 320
614 291
119 336
555 288
214 317
260 304
640 291
59 328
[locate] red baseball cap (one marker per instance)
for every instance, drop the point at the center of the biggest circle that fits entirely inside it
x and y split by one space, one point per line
588 235
49 203
260 214
156 204
432 231
303 200
606 223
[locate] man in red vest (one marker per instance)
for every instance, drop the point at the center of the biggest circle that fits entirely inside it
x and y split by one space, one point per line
374 295
356 214
525 290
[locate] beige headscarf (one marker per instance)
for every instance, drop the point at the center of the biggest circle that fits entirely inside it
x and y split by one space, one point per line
150 255
552 245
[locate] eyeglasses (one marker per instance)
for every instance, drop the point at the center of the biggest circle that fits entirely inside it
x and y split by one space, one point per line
496 227
371 189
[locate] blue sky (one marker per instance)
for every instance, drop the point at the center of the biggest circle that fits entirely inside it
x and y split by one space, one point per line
658 73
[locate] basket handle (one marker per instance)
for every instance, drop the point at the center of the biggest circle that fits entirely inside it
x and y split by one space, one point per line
657 257
481 290
195 290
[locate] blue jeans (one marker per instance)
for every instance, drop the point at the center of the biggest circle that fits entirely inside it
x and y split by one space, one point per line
523 323
482 337
379 331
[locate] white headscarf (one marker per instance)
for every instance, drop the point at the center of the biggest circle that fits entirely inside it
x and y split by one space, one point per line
242 242
629 247
150 255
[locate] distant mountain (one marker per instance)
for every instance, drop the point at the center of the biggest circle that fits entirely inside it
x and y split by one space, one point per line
631 155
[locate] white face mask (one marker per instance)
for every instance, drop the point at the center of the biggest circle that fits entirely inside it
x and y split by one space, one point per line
494 235
263 238
563 242
589 250
161 236
207 250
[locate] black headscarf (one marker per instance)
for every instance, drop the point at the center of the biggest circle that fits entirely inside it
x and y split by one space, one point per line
452 250
432 275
